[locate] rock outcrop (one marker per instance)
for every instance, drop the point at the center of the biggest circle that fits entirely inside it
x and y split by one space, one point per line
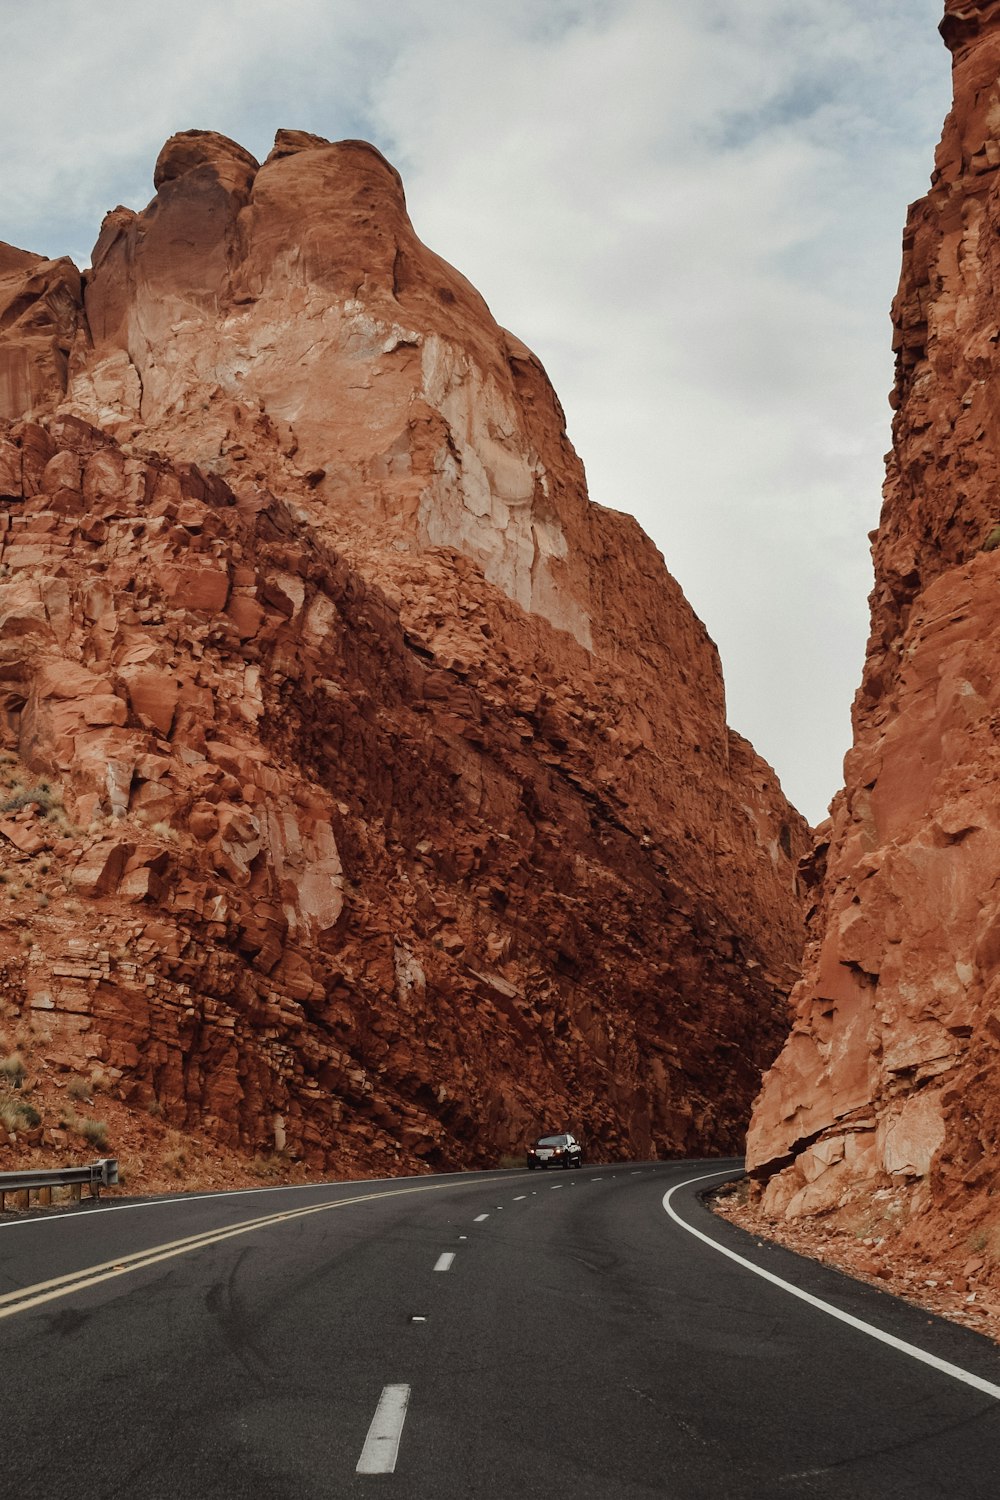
369 790
883 1106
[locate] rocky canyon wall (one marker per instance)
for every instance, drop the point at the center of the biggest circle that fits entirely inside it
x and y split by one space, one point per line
366 788
883 1108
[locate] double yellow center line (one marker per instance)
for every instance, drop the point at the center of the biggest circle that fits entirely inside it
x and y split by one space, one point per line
123 1265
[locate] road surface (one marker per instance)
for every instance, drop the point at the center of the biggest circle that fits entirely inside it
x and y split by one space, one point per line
571 1335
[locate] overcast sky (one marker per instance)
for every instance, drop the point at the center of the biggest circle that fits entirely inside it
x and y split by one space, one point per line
691 212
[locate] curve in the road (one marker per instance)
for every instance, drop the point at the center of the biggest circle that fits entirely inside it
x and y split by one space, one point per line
943 1365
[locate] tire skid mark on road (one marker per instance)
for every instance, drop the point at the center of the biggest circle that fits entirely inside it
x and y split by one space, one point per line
123 1265
942 1365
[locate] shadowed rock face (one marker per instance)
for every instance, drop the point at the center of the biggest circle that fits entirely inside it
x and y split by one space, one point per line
889 1079
398 801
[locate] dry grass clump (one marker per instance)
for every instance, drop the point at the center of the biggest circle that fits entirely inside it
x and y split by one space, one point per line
17 1114
164 831
175 1161
41 794
12 1070
178 1154
270 1165
94 1131
86 1088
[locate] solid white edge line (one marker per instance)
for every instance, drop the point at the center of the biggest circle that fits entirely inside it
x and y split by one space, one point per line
378 1456
942 1365
444 1262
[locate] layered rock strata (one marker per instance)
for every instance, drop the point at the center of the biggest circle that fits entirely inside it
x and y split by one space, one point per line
883 1105
385 777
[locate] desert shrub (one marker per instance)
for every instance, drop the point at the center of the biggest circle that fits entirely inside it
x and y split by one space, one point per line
41 794
271 1165
94 1131
78 1088
12 1069
18 1114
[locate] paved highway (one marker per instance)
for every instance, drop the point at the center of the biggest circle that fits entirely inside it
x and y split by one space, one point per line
583 1335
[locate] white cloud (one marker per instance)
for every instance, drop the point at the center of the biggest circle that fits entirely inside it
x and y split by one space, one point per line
692 213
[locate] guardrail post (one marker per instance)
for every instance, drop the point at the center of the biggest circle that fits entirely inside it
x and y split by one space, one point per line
100 1173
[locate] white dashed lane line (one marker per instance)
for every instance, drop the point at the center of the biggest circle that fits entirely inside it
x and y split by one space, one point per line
378 1456
520 1197
479 1218
555 1186
444 1262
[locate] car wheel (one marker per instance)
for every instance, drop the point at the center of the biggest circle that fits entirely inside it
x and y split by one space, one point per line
565 1163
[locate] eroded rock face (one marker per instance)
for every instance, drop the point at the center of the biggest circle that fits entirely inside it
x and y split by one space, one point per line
886 1092
40 314
397 796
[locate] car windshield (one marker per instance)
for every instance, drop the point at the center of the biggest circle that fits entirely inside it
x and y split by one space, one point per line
553 1140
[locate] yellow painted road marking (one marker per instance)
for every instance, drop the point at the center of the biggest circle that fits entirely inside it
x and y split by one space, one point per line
61 1286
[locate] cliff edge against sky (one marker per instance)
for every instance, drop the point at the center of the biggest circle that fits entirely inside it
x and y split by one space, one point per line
882 1111
369 795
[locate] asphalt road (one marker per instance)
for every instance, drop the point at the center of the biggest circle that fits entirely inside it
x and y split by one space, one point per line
506 1334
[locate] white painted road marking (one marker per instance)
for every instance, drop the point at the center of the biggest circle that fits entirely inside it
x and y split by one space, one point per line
108 1207
443 1262
955 1371
479 1218
26 1297
597 1179
378 1456
555 1185
520 1197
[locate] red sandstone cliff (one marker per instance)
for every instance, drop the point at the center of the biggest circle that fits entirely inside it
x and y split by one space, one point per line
883 1107
369 789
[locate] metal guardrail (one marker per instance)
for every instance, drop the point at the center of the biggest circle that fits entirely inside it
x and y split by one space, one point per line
101 1173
